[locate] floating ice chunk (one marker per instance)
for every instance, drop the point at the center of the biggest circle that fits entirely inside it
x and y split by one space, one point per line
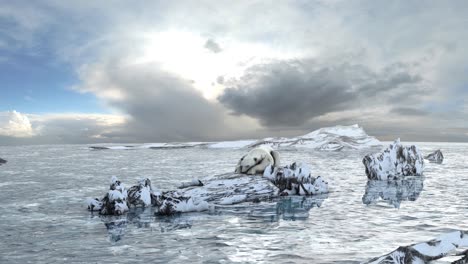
94 204
173 205
394 162
193 182
296 179
426 251
234 199
114 202
140 195
435 157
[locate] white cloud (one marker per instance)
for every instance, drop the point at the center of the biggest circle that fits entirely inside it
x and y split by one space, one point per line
15 124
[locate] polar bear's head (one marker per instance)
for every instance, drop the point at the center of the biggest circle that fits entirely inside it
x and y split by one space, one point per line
257 160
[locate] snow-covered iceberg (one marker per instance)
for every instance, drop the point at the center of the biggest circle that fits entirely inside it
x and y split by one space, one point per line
2 161
295 179
393 192
394 162
426 252
114 202
219 190
328 138
435 157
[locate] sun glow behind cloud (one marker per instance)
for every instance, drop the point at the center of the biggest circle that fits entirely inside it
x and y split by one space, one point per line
185 54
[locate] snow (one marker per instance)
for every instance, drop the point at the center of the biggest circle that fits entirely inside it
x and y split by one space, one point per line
234 199
296 179
193 182
140 194
231 144
394 162
328 139
173 205
424 252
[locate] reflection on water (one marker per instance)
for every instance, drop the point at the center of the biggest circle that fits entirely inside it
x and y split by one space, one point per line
393 192
283 208
289 208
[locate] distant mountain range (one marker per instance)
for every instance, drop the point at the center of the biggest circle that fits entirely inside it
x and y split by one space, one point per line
329 139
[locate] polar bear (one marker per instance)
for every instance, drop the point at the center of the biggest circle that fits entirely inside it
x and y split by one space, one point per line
257 160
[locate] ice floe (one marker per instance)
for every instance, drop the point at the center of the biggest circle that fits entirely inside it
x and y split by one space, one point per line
295 179
394 162
435 157
427 251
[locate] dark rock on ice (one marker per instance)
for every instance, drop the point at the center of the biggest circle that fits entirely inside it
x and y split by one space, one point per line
393 192
435 157
427 251
394 162
2 161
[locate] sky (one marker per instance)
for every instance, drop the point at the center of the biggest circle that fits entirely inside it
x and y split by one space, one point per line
75 72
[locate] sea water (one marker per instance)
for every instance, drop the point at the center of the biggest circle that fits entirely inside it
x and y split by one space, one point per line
43 216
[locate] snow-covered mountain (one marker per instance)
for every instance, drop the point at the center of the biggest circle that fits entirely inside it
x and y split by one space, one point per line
328 138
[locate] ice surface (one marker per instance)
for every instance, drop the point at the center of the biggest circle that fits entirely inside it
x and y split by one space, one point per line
394 162
328 139
435 157
231 144
193 182
234 199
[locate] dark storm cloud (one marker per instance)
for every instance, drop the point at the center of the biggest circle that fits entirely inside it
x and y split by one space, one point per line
161 106
212 46
289 93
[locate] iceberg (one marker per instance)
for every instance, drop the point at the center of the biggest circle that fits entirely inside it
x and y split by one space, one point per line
225 189
394 162
295 179
114 202
435 157
428 251
140 195
329 139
